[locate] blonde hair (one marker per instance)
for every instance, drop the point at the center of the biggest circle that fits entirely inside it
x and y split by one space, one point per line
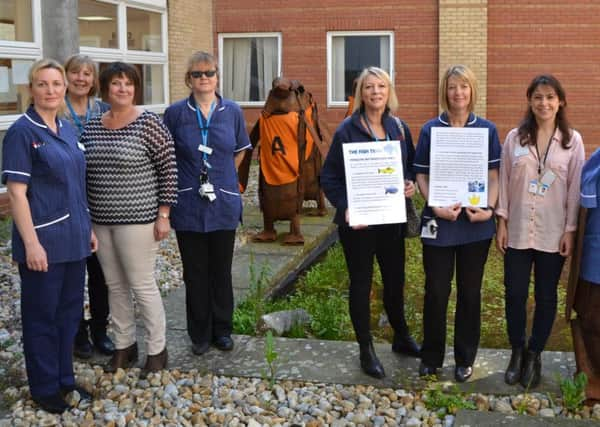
196 58
76 62
465 74
392 101
42 64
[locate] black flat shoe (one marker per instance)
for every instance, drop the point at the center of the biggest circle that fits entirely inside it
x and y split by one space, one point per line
515 366
200 349
83 349
463 373
406 345
224 343
103 344
53 403
369 362
532 370
84 395
426 370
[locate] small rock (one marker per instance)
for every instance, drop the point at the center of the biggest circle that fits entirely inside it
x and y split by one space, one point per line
502 406
596 411
253 423
546 412
413 422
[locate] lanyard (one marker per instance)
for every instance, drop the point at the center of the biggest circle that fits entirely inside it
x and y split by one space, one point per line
76 117
542 164
387 137
204 126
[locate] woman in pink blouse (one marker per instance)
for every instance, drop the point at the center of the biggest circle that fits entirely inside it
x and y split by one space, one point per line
537 217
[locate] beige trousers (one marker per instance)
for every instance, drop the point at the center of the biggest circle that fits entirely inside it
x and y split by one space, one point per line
127 254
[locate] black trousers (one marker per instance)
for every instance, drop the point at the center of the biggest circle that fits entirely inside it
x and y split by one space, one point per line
206 259
517 272
98 292
439 264
386 243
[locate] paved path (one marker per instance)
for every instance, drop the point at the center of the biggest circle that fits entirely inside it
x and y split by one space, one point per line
326 361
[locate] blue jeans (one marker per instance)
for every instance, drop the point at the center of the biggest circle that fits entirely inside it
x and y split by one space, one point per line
547 267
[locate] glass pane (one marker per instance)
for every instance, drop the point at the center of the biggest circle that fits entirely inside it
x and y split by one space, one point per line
143 30
98 24
16 20
14 85
351 54
152 83
249 67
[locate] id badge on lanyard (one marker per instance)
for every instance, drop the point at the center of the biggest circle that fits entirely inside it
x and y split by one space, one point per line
206 189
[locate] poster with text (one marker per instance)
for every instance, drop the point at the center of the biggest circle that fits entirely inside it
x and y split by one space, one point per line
458 169
374 182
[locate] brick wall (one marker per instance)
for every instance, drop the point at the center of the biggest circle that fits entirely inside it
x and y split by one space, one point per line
304 28
526 38
463 40
190 30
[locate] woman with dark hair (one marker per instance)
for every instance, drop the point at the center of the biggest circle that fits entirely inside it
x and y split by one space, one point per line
537 218
372 120
82 79
210 139
459 237
132 183
43 167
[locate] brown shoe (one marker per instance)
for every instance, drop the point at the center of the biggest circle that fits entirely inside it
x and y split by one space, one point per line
123 358
155 363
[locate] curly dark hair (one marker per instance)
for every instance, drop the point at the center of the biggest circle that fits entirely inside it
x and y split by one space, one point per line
118 69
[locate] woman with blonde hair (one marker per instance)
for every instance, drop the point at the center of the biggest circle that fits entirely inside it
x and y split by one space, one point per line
43 168
372 120
458 237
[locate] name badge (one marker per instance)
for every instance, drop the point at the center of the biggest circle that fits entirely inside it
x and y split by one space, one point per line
533 186
205 149
521 151
81 146
430 229
548 178
542 189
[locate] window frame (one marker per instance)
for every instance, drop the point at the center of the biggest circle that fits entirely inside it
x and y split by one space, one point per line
330 35
223 36
122 53
30 51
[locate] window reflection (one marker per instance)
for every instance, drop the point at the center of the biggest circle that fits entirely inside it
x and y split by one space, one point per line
98 24
144 30
15 20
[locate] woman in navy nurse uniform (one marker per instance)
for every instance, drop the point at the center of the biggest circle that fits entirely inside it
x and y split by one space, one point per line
210 137
43 167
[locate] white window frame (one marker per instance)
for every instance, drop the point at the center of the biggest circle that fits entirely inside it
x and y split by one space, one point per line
30 51
330 35
223 36
122 53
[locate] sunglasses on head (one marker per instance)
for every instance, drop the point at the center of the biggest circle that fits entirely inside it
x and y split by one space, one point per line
198 74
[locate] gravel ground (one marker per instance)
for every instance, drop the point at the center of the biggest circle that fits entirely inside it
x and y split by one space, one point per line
174 398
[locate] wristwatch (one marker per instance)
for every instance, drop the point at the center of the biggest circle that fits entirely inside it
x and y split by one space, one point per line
163 215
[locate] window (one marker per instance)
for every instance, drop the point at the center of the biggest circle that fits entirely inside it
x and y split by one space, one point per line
249 63
348 53
132 31
20 45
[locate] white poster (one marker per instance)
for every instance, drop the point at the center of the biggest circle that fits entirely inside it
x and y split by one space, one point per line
374 182
458 167
4 86
20 71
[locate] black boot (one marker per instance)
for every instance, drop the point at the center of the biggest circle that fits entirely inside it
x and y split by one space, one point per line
103 343
82 347
406 345
369 362
532 370
515 366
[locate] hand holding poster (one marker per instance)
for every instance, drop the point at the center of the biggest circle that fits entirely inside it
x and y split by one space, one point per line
374 182
458 167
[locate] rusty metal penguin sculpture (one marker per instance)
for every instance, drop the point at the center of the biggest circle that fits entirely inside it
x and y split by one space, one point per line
292 145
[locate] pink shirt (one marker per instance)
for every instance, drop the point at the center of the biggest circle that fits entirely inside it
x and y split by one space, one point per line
535 221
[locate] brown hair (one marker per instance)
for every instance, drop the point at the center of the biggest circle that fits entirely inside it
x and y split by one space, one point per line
119 69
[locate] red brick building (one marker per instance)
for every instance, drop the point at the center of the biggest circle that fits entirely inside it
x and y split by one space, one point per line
506 43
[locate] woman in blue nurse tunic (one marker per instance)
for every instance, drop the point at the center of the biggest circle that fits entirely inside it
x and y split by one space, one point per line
43 167
210 137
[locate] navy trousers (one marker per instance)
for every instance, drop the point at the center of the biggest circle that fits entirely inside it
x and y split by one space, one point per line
51 309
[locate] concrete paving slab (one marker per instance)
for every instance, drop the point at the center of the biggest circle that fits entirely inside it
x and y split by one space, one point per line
467 418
